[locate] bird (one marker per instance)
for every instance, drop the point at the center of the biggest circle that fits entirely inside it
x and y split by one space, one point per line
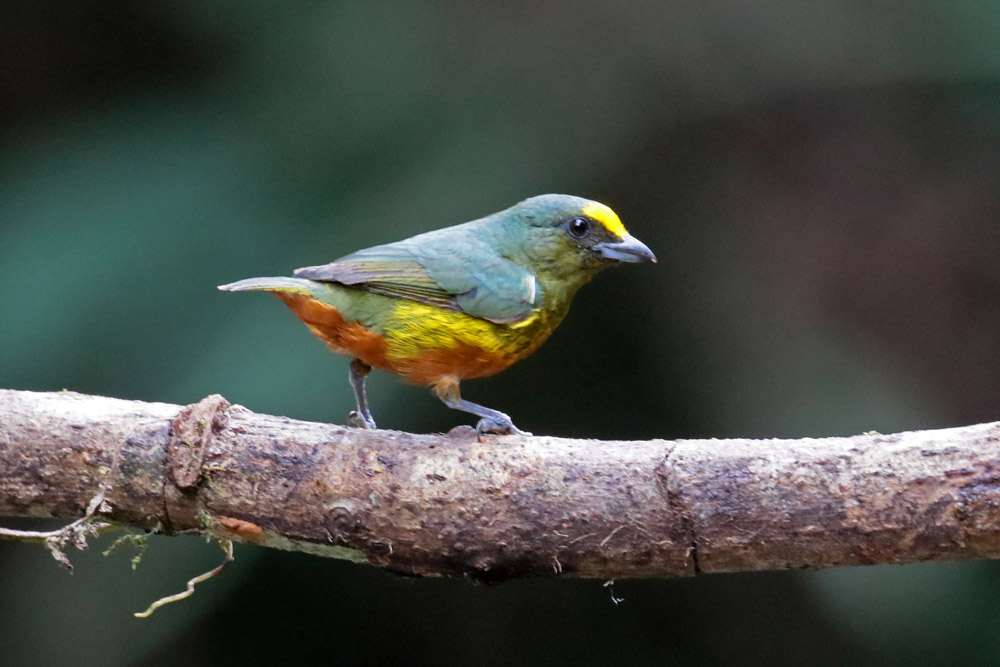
456 303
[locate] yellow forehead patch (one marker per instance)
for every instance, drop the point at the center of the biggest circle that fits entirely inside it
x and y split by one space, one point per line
604 215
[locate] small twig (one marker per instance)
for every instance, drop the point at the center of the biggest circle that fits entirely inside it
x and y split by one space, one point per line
77 532
610 585
227 547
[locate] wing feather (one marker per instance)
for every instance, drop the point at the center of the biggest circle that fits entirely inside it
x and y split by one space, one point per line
463 277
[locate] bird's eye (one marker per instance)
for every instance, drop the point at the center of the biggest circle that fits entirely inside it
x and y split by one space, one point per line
578 227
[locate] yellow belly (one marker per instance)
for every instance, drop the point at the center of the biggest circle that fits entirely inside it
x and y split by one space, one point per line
424 343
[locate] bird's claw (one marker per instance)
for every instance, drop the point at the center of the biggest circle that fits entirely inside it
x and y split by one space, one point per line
358 420
500 424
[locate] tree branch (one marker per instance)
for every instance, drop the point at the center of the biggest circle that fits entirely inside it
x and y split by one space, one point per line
509 506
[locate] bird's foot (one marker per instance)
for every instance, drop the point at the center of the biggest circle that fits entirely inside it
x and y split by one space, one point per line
500 423
358 420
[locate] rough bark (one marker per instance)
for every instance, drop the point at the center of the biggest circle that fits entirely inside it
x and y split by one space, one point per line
509 506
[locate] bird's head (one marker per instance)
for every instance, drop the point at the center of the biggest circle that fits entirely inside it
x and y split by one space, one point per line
570 238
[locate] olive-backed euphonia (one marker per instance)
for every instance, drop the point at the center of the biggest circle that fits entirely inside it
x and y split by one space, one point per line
461 302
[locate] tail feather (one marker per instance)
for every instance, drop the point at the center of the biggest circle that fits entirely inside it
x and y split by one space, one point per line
276 284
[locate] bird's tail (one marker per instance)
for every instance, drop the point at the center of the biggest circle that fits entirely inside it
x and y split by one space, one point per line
277 284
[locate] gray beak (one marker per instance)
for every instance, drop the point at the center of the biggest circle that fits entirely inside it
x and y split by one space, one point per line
629 249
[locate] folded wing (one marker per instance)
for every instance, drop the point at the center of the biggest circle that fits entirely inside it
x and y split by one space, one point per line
460 275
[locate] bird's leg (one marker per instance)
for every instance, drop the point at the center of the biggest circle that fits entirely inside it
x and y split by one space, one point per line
362 417
492 421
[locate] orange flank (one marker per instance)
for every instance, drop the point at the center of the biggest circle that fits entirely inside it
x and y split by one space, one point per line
352 339
427 367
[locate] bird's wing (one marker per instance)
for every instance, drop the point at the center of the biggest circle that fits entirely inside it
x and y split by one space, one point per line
462 277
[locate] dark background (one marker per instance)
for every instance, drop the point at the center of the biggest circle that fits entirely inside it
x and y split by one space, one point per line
819 180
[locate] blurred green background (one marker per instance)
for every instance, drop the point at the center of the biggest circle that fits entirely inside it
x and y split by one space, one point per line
821 183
